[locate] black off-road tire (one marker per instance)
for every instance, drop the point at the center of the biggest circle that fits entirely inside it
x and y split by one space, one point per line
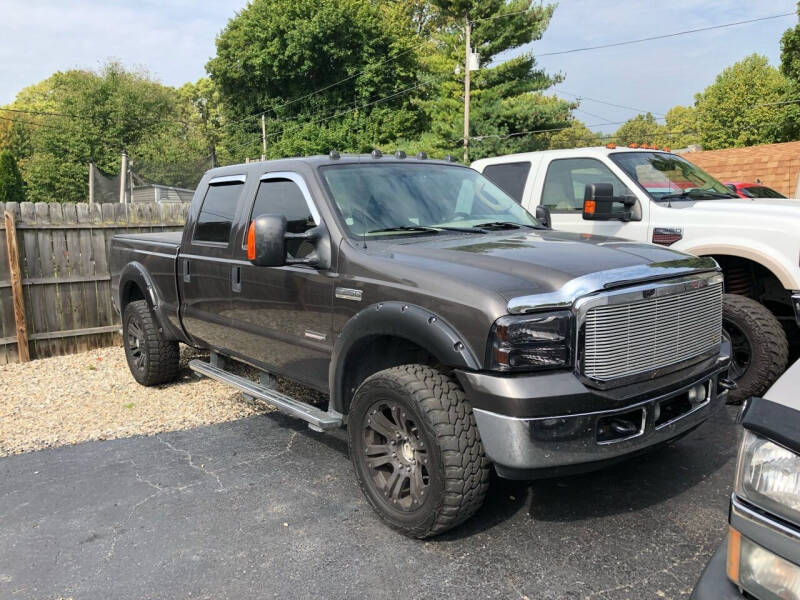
754 324
457 467
152 360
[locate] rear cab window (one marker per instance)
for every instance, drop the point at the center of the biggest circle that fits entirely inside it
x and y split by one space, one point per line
218 210
509 177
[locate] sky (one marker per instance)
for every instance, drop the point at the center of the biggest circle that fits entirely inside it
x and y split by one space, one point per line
174 39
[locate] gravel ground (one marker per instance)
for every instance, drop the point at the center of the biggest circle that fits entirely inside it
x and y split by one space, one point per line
92 396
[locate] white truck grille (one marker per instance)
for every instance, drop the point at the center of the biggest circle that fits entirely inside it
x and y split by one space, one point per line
629 339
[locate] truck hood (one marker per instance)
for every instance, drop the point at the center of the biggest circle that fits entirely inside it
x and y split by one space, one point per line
784 212
533 262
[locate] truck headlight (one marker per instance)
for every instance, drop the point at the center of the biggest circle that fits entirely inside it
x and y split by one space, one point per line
768 477
531 342
759 571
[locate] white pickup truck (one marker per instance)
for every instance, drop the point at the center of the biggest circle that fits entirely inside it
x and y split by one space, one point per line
655 196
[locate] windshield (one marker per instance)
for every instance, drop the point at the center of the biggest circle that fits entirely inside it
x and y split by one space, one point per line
668 176
392 198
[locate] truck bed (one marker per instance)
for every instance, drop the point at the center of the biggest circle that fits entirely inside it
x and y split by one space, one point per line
156 253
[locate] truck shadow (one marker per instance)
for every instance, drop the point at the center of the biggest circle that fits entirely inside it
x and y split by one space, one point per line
645 480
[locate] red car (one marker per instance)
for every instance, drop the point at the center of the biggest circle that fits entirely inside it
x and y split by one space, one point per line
753 190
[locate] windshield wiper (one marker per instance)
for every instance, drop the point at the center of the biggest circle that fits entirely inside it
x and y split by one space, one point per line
505 225
420 228
696 193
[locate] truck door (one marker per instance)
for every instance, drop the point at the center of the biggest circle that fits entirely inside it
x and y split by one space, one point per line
282 315
204 264
562 190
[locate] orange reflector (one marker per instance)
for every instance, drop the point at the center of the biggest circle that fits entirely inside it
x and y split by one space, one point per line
734 545
589 206
251 241
633 145
611 146
666 149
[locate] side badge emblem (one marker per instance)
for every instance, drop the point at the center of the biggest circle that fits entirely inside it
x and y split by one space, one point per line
349 294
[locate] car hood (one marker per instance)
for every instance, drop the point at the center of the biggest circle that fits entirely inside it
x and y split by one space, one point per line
530 262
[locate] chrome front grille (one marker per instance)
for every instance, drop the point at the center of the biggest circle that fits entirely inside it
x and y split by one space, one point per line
621 340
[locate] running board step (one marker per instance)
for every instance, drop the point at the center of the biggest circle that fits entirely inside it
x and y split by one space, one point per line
317 419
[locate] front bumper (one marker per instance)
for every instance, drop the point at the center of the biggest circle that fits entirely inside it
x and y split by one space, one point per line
528 445
714 583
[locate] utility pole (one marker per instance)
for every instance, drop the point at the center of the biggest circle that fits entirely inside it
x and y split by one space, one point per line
263 138
123 175
467 57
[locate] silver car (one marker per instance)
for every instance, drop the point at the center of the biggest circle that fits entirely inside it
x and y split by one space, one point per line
760 557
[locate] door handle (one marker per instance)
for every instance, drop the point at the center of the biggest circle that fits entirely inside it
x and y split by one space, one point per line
186 276
236 279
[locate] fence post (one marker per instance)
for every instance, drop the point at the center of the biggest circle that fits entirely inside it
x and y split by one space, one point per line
91 182
123 174
16 288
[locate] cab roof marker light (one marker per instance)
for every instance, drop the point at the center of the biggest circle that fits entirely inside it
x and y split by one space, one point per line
376 153
633 145
334 155
400 154
422 155
611 145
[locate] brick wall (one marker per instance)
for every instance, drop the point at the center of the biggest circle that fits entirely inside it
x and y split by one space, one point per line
776 165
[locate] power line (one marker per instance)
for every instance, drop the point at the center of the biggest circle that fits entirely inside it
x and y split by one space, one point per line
274 109
795 101
663 36
580 97
44 113
592 114
493 17
34 123
333 116
503 136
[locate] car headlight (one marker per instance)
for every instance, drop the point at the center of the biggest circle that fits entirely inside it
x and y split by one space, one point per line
531 342
768 477
759 571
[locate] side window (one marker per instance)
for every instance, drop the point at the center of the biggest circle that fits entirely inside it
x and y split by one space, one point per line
217 212
509 177
566 179
284 197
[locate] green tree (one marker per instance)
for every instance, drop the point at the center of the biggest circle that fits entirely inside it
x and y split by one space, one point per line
95 115
287 58
680 129
506 96
790 52
746 106
641 129
577 135
12 188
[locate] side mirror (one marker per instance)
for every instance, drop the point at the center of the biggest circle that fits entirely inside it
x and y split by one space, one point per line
543 216
266 244
266 241
599 200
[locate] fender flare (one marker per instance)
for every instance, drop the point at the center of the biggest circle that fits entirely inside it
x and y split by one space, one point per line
134 273
398 319
781 273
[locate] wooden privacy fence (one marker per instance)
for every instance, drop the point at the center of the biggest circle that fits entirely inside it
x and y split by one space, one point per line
60 275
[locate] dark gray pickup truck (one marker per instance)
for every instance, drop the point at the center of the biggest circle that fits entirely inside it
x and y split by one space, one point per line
451 330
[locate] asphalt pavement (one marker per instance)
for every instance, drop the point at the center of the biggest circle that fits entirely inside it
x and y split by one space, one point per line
266 508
